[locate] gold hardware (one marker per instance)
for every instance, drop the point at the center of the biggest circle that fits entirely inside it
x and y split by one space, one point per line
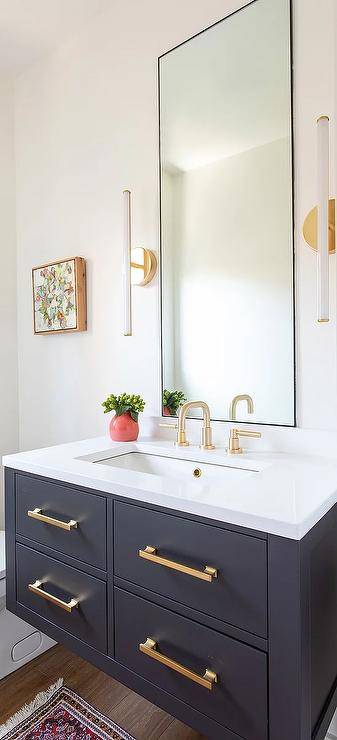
37 514
144 261
236 400
36 589
310 227
150 553
197 473
150 648
168 426
206 432
234 446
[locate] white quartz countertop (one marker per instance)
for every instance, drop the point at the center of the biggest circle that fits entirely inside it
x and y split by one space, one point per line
287 495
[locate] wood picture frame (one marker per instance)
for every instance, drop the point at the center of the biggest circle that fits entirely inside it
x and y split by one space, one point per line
59 296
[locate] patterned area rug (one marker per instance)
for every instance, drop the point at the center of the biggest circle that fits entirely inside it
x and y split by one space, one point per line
60 714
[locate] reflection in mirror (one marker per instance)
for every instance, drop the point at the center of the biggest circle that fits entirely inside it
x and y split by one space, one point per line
226 215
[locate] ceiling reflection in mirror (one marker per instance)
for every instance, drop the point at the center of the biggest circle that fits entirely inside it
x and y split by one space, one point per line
226 215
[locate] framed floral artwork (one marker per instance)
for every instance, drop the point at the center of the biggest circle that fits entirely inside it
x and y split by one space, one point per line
59 296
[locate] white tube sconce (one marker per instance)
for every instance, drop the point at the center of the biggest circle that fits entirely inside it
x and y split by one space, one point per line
323 219
127 263
139 265
319 225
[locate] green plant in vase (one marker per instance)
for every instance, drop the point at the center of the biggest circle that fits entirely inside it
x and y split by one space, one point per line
172 400
124 425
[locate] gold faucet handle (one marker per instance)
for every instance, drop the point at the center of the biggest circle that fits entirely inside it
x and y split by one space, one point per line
170 426
234 446
181 440
247 433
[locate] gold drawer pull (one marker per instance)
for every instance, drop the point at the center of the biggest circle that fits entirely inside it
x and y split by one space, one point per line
68 606
37 514
150 553
150 648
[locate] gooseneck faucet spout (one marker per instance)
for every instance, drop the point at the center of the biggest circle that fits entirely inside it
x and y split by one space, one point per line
236 400
206 434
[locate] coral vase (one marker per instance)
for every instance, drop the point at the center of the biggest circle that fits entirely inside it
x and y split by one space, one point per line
123 428
167 412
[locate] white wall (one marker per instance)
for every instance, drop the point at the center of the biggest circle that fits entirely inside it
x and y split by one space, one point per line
86 126
8 338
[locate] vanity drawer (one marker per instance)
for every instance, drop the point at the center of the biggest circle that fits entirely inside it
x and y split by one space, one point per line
238 595
86 541
87 620
237 701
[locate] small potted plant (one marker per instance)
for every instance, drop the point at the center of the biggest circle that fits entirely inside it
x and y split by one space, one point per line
124 425
171 402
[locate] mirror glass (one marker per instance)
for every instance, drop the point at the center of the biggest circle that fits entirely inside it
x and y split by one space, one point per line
226 215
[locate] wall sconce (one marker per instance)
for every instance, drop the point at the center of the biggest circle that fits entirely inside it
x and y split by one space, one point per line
319 225
139 265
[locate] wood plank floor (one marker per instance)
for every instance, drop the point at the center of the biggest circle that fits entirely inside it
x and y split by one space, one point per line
136 715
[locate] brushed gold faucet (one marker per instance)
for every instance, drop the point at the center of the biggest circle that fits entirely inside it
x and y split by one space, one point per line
206 432
236 400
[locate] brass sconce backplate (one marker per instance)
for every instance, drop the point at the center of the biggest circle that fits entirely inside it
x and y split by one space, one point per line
143 266
310 227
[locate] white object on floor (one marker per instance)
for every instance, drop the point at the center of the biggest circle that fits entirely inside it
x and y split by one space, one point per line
19 642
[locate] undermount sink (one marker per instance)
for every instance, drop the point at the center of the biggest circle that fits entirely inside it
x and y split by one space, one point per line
171 467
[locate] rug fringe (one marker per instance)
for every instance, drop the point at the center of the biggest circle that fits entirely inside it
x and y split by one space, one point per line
29 709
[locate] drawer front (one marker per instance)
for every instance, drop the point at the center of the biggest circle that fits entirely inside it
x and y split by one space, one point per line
86 541
238 595
87 620
237 701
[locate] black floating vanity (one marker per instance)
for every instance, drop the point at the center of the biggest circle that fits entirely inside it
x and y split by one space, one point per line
231 630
